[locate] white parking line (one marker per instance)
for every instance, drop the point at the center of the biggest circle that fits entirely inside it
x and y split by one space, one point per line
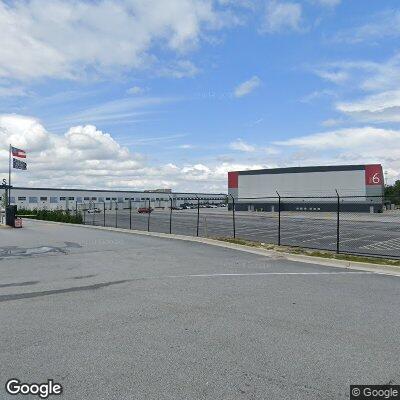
350 240
391 244
318 239
301 235
298 235
271 273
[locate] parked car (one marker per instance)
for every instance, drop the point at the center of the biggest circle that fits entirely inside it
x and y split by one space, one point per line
176 208
144 210
94 211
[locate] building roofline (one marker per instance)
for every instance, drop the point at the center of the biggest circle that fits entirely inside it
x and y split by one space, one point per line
111 191
294 170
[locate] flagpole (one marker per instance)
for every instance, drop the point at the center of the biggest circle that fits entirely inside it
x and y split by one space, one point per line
9 176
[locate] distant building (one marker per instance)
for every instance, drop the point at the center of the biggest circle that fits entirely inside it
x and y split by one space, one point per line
159 191
67 199
361 188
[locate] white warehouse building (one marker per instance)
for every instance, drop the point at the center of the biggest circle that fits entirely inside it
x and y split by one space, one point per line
69 199
312 188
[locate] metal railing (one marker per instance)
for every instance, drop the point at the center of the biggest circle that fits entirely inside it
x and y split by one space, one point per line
365 225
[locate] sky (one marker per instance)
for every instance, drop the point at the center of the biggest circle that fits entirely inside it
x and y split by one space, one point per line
146 94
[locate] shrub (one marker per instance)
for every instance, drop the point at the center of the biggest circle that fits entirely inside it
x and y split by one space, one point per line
52 215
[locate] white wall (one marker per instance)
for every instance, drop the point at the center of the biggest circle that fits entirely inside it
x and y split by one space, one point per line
82 196
303 184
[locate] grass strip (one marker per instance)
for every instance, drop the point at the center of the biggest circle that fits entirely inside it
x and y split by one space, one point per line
309 252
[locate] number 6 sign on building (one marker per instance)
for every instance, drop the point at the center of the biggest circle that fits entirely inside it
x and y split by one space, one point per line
373 174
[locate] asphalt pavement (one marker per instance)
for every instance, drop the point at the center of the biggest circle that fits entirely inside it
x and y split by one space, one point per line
112 315
370 234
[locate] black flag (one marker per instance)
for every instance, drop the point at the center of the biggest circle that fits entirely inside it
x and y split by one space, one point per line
17 164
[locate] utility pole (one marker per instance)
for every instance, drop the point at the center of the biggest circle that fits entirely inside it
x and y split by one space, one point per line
5 198
9 177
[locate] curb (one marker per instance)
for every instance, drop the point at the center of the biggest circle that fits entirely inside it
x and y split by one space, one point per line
277 255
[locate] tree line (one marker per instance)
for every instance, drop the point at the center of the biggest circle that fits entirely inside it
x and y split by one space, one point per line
392 192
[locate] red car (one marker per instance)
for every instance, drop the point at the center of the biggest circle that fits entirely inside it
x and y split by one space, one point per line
144 210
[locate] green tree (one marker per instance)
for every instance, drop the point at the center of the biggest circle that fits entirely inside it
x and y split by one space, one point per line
392 192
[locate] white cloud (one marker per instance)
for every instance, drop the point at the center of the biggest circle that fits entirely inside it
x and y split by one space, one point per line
12 91
247 87
178 69
55 38
327 3
383 25
86 157
333 76
256 150
317 94
347 146
282 16
331 122
379 81
363 74
135 90
240 145
344 138
381 107
150 140
24 132
119 109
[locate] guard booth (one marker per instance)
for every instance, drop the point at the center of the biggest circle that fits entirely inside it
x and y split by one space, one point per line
11 212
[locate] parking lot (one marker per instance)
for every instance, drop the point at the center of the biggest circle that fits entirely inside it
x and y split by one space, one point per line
113 315
370 234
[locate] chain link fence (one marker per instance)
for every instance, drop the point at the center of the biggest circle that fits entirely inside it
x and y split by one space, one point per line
343 224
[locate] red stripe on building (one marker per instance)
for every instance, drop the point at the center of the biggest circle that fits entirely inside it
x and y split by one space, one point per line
373 174
233 180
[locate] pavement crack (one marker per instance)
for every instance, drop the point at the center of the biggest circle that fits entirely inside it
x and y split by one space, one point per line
20 296
4 285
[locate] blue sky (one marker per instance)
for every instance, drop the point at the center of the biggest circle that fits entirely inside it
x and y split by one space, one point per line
144 94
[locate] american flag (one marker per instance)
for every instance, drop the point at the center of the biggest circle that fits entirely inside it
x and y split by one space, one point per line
18 152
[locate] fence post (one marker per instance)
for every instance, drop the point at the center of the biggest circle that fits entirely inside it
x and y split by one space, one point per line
233 216
84 215
198 215
116 214
148 217
130 213
338 224
279 221
170 215
104 214
76 209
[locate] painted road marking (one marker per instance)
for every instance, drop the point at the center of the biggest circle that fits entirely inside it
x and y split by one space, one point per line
270 273
350 240
391 244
